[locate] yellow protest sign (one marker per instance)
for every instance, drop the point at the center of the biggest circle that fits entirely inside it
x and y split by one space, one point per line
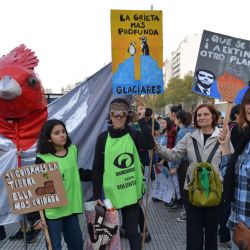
137 51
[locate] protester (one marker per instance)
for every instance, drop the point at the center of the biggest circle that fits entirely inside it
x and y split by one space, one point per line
149 120
54 145
174 205
123 188
225 209
182 121
200 220
173 131
234 125
237 177
161 140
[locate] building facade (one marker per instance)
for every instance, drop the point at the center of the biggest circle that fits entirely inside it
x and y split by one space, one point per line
183 59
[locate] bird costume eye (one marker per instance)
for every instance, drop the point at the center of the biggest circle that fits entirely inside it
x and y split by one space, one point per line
32 81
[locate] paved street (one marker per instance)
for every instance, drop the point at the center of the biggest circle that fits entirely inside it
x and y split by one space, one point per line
166 232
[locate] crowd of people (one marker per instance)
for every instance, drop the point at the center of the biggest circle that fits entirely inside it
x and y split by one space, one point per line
181 141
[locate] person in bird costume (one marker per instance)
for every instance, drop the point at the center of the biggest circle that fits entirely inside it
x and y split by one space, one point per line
23 106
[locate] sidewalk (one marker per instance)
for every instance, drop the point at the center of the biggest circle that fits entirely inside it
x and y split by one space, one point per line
166 232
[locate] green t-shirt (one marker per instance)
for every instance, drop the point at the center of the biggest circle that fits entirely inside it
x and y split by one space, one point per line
71 181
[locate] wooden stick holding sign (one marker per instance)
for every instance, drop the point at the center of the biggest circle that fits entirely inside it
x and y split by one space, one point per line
151 155
229 86
46 232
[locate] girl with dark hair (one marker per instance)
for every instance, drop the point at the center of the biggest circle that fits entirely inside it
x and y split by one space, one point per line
201 221
54 145
237 166
117 169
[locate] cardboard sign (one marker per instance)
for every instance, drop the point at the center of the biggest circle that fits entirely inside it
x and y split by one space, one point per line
136 52
163 187
222 69
33 188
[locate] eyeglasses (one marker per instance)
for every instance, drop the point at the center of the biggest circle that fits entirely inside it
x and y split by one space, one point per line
117 114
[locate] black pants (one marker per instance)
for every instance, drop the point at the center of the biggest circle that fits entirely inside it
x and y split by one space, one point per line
200 221
182 172
224 232
130 218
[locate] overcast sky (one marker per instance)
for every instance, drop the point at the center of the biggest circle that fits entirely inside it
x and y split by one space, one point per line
72 38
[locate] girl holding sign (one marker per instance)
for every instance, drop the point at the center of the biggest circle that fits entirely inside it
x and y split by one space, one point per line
54 145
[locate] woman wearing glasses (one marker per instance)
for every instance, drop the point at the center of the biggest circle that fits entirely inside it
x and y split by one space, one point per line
117 169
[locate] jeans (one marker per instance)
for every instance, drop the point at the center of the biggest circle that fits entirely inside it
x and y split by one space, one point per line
71 230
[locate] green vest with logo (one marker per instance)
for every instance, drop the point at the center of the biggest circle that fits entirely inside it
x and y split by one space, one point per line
71 181
123 178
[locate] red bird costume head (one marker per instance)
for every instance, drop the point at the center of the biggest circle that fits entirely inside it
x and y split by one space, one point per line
23 107
21 92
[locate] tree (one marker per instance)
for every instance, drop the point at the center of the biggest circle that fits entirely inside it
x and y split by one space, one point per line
178 91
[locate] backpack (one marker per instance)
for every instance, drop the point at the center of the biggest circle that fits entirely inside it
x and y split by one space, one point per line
205 188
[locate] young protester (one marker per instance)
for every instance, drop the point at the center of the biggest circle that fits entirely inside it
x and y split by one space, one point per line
201 220
237 167
117 169
54 145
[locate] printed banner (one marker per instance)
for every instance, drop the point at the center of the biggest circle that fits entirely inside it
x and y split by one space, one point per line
137 52
222 69
33 188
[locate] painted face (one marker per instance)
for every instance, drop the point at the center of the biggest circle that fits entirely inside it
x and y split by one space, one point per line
205 78
204 118
58 135
118 118
247 110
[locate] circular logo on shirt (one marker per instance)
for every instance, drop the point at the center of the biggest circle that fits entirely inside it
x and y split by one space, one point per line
124 160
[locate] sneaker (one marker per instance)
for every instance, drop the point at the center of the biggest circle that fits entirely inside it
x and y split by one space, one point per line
182 218
226 244
156 200
168 205
175 207
183 213
148 237
32 235
17 236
